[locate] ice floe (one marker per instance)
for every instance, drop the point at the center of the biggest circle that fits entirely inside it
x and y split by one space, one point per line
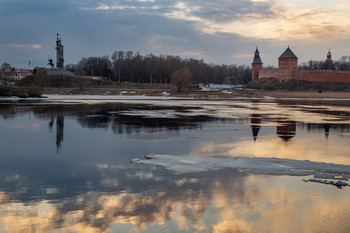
269 166
339 183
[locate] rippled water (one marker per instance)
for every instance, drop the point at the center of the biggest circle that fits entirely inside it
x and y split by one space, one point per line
64 166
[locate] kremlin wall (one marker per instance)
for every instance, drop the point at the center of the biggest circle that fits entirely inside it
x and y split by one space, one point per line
288 69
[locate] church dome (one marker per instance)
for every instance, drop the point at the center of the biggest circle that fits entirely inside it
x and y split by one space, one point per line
329 53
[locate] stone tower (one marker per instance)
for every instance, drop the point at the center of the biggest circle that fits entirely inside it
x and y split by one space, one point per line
59 53
256 65
287 63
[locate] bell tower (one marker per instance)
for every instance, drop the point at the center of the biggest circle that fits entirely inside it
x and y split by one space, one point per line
256 65
329 62
59 53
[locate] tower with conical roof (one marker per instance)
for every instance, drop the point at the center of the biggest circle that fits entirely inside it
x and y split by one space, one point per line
256 65
287 63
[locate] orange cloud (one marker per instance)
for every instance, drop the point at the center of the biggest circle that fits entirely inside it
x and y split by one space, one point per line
26 46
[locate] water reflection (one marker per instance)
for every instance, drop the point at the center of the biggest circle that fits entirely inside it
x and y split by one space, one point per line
286 129
89 185
59 128
215 202
255 122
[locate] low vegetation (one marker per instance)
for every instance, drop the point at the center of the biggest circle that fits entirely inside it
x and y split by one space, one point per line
23 92
295 85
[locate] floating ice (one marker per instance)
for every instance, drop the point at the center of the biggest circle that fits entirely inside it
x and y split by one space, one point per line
135 160
338 183
270 166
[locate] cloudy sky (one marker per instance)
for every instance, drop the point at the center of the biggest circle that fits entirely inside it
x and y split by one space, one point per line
220 31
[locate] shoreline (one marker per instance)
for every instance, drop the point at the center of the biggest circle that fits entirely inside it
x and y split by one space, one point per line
304 94
199 94
213 94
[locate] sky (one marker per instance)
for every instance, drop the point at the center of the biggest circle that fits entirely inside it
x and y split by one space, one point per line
219 32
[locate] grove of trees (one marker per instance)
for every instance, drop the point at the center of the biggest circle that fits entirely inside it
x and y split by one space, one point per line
133 67
342 64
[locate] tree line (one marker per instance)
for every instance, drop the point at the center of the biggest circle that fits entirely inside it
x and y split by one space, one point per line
133 67
343 64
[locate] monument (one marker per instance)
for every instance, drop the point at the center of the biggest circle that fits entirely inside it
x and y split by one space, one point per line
59 53
59 70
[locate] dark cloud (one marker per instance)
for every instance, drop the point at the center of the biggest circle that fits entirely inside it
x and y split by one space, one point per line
97 28
227 11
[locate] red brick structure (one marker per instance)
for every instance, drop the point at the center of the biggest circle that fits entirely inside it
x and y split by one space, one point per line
288 69
287 63
256 65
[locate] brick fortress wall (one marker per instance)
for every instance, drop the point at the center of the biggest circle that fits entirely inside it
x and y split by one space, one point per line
326 76
288 69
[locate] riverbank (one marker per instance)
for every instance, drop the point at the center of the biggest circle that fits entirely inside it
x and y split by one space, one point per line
218 93
304 94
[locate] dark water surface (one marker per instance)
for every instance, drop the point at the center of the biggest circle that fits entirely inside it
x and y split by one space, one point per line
64 166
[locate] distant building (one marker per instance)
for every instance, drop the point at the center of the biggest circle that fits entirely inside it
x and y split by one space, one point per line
329 62
59 53
288 69
12 73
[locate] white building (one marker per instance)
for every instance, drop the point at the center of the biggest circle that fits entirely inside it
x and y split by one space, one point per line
13 73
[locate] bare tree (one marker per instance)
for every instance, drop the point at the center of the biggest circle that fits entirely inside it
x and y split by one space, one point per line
5 65
180 79
41 75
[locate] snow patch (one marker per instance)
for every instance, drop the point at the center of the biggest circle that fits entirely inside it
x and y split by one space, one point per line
223 86
105 97
203 88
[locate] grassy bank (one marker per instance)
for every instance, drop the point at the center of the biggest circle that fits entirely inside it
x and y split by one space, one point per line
22 92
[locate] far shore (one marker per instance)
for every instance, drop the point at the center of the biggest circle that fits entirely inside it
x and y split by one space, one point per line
304 94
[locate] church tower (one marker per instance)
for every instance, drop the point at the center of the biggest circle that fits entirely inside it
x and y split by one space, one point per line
256 65
59 53
329 62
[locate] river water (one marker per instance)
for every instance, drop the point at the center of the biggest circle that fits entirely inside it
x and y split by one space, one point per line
65 166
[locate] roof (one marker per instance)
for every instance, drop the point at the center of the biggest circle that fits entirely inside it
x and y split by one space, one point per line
14 70
329 53
257 59
288 54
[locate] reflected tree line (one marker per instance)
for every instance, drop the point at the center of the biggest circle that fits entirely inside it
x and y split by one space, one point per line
125 118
